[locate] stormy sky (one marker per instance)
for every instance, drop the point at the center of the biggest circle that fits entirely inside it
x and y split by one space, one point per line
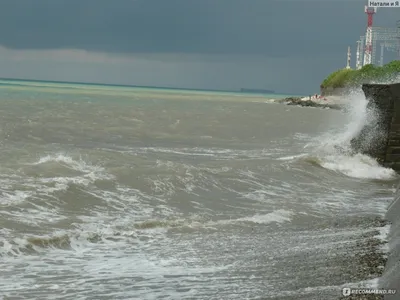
285 45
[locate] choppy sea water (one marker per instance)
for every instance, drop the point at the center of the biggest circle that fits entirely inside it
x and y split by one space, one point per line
128 193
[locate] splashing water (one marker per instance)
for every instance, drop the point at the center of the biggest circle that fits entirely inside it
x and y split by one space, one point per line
332 150
340 136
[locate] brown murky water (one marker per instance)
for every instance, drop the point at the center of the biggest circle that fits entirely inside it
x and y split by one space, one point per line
128 193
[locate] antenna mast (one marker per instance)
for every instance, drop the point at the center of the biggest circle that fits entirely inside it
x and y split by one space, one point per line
382 50
358 57
370 11
398 43
348 57
362 42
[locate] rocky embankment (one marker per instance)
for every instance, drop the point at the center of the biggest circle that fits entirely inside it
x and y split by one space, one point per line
321 103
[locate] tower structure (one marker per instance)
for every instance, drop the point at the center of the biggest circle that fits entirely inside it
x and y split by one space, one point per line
348 57
370 11
382 50
358 57
398 41
362 43
388 38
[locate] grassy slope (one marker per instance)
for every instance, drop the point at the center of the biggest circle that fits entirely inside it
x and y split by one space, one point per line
348 78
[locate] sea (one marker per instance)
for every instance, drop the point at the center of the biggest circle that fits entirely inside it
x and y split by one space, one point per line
110 192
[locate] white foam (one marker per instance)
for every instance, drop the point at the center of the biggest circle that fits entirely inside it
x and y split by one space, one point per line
292 157
27 187
66 160
277 216
383 236
358 166
216 153
10 197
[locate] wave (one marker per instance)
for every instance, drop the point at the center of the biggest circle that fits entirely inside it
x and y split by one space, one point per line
31 194
278 216
71 240
332 149
67 161
356 166
215 153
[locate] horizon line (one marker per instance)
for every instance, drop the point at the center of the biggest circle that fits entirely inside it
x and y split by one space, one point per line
136 86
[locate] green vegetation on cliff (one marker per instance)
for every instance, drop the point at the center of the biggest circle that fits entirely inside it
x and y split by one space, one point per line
349 78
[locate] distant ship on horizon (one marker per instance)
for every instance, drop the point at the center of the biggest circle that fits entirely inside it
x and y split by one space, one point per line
257 91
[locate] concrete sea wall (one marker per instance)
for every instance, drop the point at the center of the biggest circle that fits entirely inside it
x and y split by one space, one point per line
381 140
391 274
381 137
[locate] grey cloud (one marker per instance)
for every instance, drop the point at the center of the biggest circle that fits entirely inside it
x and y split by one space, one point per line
255 27
286 45
283 75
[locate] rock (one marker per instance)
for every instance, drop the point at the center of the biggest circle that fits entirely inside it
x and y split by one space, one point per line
308 103
288 100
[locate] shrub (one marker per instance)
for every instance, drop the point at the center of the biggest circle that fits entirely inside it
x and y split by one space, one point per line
369 73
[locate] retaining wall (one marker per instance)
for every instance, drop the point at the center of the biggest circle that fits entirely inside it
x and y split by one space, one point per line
381 140
391 274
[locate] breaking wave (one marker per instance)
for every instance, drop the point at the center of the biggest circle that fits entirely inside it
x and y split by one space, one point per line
332 150
34 244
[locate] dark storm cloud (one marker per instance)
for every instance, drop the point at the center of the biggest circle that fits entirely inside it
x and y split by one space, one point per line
285 45
244 27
